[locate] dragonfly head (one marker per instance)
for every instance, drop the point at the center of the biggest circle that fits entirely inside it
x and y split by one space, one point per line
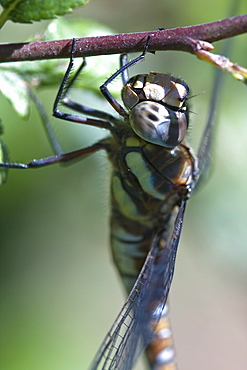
157 107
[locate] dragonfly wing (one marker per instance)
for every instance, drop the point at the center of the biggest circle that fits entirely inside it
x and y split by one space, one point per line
131 331
115 352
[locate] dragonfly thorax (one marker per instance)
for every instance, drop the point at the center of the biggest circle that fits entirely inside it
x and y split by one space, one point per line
158 110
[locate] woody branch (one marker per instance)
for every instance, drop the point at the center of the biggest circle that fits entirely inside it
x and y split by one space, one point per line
185 39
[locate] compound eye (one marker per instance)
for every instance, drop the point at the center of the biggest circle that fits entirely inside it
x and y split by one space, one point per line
159 125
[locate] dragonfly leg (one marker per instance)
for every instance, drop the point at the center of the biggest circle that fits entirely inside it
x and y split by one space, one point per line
105 119
204 150
123 71
56 147
61 158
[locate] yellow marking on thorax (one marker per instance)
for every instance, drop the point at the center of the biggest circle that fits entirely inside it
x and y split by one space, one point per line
138 167
124 201
132 141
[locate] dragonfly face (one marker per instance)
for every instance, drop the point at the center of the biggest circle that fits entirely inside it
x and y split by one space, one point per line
158 110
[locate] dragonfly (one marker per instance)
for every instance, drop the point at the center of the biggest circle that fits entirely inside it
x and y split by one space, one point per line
154 173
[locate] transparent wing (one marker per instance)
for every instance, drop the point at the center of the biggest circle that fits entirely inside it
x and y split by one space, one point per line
131 332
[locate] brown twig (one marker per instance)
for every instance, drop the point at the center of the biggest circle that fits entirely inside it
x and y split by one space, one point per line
185 39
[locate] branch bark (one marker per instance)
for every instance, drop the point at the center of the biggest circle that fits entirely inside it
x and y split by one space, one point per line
184 39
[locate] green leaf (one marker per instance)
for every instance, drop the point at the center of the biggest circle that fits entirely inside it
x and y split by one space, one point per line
15 90
27 11
61 29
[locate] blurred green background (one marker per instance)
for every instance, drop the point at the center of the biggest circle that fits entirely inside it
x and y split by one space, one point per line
59 289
